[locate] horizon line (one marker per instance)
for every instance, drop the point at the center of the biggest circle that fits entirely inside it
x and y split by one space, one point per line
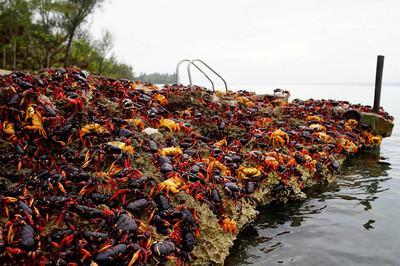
396 83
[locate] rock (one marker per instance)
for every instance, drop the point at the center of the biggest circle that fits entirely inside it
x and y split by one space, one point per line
338 111
111 106
215 99
284 97
379 124
214 244
150 131
352 114
153 133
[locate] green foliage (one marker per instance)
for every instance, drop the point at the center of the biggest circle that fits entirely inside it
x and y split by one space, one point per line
74 14
158 78
14 19
117 70
36 34
42 33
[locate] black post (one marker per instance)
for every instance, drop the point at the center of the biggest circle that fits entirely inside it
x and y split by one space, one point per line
378 83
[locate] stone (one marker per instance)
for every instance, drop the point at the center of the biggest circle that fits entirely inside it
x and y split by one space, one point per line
379 124
282 97
352 114
153 133
150 131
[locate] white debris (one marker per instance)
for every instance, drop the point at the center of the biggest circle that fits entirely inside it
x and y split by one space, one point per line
215 98
150 131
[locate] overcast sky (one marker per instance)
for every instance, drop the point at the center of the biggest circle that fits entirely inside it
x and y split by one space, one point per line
258 41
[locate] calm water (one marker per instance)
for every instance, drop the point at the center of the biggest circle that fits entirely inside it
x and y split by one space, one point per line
355 221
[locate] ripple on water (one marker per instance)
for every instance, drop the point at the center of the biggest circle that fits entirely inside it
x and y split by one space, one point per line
352 222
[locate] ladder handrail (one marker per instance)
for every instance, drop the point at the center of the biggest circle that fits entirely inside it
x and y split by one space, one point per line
187 60
177 69
201 61
212 83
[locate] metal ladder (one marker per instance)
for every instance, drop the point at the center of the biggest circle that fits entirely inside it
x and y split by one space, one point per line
193 62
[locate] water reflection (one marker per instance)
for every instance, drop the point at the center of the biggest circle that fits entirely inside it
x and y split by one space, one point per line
330 213
363 175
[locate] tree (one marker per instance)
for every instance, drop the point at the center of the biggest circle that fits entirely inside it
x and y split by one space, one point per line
104 46
45 33
118 70
158 78
84 54
75 13
15 19
47 29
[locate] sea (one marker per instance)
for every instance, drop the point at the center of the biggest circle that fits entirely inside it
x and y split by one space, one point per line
354 221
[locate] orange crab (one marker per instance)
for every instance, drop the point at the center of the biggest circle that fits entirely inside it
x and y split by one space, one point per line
187 113
249 172
291 162
263 122
220 166
136 122
229 226
121 146
170 124
314 118
375 140
245 101
317 127
310 164
9 129
324 137
221 143
347 145
350 124
161 99
278 137
271 163
90 128
172 184
36 121
170 151
372 139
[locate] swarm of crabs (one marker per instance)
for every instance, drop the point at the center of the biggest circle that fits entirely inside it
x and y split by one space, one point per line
95 171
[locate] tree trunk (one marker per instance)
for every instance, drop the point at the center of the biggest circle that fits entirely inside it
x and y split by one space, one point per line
4 57
69 44
100 67
15 54
48 58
